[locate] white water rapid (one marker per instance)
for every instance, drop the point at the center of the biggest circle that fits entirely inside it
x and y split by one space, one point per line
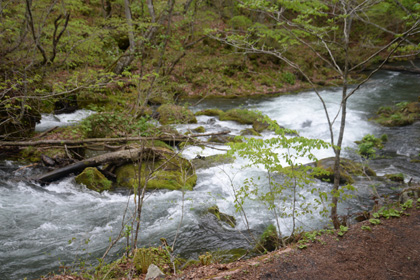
43 226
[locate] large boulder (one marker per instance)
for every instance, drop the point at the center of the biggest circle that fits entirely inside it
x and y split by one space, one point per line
174 114
242 116
93 179
168 171
210 161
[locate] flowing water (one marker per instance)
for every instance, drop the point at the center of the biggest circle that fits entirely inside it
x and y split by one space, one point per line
44 226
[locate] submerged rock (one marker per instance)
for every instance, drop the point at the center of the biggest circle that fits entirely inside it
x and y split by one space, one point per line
230 220
93 179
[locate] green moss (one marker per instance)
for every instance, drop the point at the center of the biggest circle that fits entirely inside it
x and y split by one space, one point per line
250 131
230 220
199 129
210 112
93 179
174 114
242 116
399 177
175 174
401 114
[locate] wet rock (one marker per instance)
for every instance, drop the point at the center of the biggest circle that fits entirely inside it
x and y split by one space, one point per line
199 129
230 220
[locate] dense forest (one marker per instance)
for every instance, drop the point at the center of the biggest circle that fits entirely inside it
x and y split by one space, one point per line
139 67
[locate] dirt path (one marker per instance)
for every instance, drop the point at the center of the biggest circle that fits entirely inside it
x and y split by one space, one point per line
390 250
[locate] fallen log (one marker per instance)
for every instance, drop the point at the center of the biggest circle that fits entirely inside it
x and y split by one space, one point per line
166 138
76 168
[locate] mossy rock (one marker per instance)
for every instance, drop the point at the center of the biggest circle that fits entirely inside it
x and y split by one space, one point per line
242 116
209 112
412 193
399 177
93 179
228 219
210 161
348 168
174 114
250 131
199 129
401 114
176 173
223 139
259 125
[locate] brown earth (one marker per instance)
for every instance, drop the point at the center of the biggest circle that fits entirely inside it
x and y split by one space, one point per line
391 250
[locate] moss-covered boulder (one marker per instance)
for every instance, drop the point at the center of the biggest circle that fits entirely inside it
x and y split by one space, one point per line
169 171
174 114
399 177
228 219
348 169
93 179
209 112
402 114
223 139
199 129
412 193
210 161
250 132
242 116
259 125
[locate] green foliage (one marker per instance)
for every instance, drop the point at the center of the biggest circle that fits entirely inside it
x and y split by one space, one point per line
369 144
375 221
279 156
174 114
367 228
342 230
115 124
288 77
144 257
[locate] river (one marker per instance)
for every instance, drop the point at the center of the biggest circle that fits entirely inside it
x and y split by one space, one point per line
44 226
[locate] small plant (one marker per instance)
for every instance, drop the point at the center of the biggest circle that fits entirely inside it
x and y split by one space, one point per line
369 145
375 221
368 228
342 230
206 259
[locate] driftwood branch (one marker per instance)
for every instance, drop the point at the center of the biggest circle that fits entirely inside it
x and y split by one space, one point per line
167 138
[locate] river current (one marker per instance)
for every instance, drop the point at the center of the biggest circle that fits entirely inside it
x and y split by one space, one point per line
42 227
